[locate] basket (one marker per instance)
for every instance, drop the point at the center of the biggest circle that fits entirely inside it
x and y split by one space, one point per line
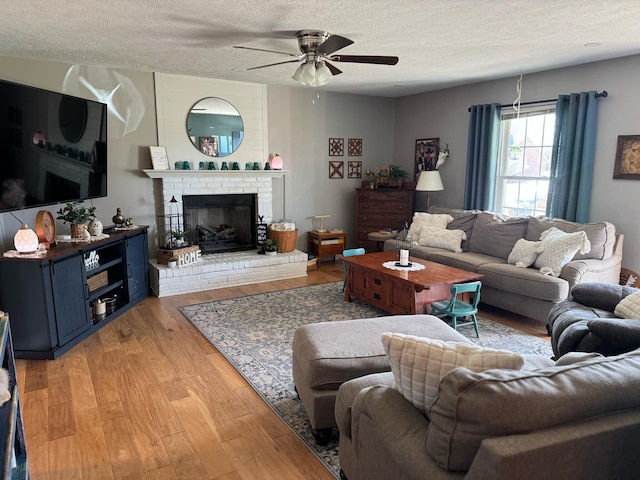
287 239
163 255
98 281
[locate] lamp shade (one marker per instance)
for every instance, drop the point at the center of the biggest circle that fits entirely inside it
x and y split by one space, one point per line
26 240
276 162
429 181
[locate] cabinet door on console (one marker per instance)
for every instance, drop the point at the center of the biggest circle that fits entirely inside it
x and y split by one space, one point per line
72 313
137 255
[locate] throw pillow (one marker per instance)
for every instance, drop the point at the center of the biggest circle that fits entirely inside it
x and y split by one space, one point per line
423 219
524 253
629 306
442 238
559 249
418 364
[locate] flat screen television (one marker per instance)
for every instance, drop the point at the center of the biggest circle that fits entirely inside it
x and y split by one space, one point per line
53 147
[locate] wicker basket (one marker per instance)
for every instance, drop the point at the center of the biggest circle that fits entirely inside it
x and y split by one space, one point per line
287 239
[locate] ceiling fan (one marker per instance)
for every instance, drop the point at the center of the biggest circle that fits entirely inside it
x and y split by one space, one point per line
317 49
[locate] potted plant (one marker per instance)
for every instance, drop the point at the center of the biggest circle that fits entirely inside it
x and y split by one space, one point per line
178 237
172 263
78 216
271 246
397 175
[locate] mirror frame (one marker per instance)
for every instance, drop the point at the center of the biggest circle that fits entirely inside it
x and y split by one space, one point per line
210 145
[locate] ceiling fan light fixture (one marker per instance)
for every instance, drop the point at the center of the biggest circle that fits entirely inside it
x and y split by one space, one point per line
323 74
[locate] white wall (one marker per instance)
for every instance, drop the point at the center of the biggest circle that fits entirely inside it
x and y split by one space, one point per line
128 139
444 114
300 125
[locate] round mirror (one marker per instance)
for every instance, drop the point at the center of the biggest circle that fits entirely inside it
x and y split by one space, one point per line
215 127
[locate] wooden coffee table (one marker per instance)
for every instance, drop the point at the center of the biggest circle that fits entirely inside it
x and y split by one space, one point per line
400 291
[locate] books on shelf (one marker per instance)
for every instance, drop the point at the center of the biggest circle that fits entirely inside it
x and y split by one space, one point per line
329 241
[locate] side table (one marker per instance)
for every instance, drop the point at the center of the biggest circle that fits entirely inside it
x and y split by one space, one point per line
380 238
323 244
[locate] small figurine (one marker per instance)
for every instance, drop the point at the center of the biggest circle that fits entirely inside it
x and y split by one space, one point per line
118 219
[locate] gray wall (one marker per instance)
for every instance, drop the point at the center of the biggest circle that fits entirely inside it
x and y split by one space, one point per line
299 125
128 142
444 114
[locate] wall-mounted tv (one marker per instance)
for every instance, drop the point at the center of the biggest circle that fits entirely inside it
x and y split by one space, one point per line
53 147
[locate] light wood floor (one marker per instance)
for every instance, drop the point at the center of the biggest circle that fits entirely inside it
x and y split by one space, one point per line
148 397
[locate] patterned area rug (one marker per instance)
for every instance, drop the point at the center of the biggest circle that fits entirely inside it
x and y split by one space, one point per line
254 333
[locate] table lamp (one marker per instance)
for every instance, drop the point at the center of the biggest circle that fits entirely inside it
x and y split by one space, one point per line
429 181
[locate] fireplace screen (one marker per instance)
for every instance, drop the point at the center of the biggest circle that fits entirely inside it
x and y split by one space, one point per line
221 223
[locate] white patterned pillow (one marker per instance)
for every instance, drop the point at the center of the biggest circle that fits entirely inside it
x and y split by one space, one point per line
559 249
629 306
442 238
418 364
524 253
424 219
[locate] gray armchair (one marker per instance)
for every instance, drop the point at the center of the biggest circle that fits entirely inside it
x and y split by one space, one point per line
586 322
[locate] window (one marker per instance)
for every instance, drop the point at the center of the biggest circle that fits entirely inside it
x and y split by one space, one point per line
524 161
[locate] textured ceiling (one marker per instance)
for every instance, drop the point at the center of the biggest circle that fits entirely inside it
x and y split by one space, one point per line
439 43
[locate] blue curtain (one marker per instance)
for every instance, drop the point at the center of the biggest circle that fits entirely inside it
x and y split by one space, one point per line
574 147
482 156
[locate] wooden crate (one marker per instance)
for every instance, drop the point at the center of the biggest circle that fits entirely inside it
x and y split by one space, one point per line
163 255
98 281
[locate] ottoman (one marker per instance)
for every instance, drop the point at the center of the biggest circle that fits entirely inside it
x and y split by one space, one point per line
327 354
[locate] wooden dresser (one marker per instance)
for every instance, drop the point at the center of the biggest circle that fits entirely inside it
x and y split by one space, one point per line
380 208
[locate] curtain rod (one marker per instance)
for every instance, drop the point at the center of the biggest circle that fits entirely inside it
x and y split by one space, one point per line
603 94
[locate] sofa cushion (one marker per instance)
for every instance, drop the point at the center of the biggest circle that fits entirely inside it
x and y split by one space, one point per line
442 238
559 248
423 219
462 220
418 364
601 235
524 253
629 307
524 281
496 235
468 261
473 406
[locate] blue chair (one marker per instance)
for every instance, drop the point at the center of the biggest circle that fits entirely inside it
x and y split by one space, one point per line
351 252
456 308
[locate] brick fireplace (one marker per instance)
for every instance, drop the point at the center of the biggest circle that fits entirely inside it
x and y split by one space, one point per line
224 269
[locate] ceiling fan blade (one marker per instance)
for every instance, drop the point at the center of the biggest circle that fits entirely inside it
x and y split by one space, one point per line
334 70
333 44
297 55
273 64
380 60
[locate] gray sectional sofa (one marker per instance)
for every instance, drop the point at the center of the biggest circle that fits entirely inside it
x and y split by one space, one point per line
490 239
578 420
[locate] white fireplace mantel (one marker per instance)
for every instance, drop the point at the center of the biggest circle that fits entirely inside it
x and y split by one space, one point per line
214 173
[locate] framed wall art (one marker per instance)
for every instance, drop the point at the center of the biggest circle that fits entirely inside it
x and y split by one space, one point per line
427 150
336 169
355 147
354 169
336 147
627 164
